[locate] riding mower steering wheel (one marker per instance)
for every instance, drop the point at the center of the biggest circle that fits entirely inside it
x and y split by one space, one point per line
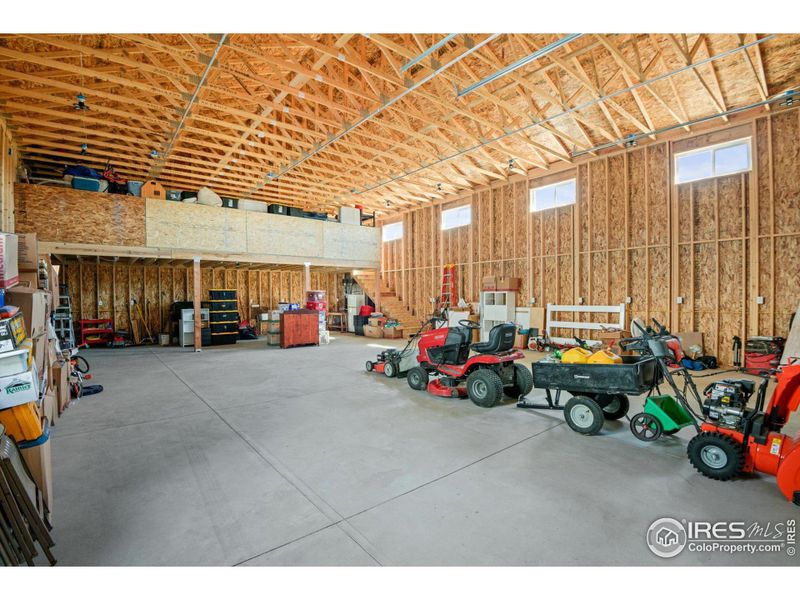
471 325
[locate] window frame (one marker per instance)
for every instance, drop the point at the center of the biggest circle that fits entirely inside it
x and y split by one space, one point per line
532 195
746 141
453 210
384 229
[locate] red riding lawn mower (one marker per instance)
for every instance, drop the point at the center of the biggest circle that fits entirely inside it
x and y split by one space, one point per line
734 439
443 354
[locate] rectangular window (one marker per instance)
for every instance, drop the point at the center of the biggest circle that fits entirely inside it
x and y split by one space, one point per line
553 195
457 217
713 161
392 231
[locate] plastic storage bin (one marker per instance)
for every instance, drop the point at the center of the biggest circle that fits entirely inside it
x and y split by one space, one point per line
222 294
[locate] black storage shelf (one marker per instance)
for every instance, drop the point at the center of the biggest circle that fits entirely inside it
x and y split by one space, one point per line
221 294
227 327
218 339
222 305
218 316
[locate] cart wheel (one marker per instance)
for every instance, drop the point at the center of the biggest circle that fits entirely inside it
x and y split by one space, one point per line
715 455
583 415
646 427
615 406
370 365
417 378
390 370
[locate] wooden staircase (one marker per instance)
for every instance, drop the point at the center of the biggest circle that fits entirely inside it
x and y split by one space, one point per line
391 305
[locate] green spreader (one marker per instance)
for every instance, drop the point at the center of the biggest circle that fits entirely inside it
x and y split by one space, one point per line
662 415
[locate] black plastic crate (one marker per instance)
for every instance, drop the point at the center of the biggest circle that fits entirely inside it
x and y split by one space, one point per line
224 315
217 339
293 211
230 202
636 375
278 209
222 294
218 305
226 327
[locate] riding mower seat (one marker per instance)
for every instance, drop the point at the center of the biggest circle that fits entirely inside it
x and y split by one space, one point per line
501 339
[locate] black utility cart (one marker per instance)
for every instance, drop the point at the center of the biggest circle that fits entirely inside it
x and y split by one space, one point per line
599 392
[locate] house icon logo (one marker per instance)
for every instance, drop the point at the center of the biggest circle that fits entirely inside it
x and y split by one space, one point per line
666 537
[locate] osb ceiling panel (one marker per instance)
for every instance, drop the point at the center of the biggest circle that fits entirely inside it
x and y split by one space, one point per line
325 120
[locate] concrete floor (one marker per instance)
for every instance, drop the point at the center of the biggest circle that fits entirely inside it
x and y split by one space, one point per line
250 455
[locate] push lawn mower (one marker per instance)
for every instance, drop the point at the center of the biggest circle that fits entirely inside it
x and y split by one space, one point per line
484 377
396 363
735 439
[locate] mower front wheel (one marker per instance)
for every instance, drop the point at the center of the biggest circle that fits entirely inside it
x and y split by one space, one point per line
390 369
417 378
584 415
369 366
715 455
523 383
484 388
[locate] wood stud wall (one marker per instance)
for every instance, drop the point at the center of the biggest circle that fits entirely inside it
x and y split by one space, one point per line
718 243
8 169
107 289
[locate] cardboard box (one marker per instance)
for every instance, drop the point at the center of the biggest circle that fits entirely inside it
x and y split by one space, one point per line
19 389
610 339
34 305
538 318
27 252
59 373
373 332
377 321
9 269
12 332
39 462
489 283
689 339
511 284
521 341
29 279
393 333
49 408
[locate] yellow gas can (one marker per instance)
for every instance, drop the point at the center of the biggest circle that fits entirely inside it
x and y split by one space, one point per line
576 355
604 357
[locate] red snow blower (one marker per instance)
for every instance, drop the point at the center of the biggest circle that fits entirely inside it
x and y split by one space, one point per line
484 377
734 439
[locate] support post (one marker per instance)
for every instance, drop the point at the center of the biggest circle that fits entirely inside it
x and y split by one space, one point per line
196 284
307 272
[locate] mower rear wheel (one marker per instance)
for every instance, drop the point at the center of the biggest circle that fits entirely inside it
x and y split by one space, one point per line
615 406
484 387
370 366
417 378
646 427
523 382
390 369
584 415
715 455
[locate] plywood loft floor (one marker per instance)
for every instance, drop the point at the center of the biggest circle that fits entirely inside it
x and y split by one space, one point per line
258 456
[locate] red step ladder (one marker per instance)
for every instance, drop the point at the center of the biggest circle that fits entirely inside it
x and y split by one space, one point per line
448 294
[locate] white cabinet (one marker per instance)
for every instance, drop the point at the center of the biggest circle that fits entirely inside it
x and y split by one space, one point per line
186 325
496 308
